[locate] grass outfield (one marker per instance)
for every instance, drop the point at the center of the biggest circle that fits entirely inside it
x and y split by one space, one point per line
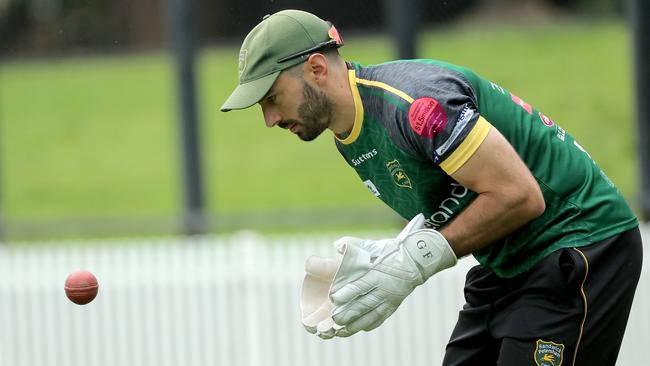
97 137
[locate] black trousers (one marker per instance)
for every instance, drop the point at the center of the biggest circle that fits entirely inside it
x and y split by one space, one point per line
570 309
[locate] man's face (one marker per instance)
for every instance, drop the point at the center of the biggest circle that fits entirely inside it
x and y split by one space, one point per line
296 106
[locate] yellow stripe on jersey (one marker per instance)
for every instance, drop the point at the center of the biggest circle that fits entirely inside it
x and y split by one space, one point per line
467 148
387 87
358 117
358 111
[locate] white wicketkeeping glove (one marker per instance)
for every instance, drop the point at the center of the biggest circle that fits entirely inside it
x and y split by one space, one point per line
315 303
374 277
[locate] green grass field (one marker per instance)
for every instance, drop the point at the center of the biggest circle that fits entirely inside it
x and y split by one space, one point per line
97 136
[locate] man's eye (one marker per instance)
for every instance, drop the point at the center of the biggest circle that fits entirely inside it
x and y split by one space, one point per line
270 99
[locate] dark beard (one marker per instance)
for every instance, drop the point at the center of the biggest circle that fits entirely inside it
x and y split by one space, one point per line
315 112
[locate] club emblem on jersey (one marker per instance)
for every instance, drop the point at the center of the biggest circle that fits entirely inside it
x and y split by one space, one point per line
548 353
399 175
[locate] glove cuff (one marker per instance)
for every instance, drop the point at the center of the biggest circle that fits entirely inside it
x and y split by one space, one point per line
430 251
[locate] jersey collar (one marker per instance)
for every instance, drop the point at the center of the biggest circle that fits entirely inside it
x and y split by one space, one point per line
358 110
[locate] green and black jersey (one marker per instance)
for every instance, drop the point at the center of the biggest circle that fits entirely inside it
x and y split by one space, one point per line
418 121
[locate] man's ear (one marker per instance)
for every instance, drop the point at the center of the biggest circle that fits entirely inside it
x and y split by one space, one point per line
317 67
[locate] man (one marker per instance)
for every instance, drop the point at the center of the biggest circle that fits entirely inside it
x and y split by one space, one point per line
480 172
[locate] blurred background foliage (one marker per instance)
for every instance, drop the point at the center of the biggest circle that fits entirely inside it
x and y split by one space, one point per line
89 140
58 26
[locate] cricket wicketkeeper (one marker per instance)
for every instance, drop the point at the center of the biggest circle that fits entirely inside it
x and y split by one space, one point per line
476 170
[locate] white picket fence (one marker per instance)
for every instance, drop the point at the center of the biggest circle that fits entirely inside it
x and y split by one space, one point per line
229 301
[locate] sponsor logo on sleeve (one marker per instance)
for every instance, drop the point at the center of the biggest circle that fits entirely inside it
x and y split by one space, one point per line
427 117
521 103
399 175
548 353
448 207
545 120
496 87
464 118
561 134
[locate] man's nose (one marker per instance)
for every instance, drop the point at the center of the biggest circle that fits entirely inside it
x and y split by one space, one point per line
271 117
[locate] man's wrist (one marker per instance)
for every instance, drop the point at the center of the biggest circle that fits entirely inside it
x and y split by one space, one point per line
430 251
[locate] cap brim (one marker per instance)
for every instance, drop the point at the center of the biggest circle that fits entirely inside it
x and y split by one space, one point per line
245 95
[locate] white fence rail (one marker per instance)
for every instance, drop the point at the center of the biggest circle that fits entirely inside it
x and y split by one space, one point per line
216 301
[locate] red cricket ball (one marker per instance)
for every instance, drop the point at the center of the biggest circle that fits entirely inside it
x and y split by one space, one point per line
81 287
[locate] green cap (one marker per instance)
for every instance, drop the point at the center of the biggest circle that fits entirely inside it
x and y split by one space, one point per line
280 41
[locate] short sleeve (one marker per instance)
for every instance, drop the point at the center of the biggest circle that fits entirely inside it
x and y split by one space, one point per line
443 124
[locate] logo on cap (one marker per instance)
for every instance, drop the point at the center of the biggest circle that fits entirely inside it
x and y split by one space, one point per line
334 34
242 61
